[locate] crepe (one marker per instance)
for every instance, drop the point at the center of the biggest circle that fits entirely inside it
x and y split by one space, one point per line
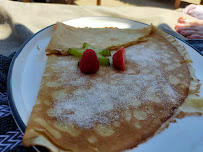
66 37
111 110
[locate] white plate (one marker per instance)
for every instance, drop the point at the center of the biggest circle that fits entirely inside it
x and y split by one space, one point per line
28 66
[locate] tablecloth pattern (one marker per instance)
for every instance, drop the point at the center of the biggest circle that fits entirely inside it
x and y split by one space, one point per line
10 135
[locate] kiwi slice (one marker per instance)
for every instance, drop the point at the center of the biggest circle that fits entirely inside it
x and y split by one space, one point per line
101 53
103 60
76 52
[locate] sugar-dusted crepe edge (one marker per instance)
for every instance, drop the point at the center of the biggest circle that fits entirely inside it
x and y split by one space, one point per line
193 104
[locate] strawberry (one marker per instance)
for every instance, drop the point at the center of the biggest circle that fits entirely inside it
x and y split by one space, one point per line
89 64
119 59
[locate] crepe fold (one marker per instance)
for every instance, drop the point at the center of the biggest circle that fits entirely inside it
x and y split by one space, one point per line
65 37
111 110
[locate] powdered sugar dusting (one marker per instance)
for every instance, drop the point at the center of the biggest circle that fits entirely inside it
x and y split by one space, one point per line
101 103
85 107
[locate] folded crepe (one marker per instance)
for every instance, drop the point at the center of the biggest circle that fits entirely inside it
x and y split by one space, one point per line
66 37
111 110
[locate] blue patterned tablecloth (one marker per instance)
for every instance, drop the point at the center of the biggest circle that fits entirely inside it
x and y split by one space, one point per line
197 44
10 135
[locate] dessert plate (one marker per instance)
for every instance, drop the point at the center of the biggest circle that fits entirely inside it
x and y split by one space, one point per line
27 68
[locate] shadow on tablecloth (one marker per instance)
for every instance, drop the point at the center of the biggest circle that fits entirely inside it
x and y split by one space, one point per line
12 35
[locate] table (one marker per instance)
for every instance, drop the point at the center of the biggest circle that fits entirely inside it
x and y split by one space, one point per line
36 16
19 21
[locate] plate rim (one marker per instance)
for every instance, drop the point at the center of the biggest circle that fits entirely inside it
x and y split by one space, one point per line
18 120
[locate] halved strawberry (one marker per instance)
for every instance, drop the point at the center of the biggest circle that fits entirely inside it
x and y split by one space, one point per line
89 64
119 59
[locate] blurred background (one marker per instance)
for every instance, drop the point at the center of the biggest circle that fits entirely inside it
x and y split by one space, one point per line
153 3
